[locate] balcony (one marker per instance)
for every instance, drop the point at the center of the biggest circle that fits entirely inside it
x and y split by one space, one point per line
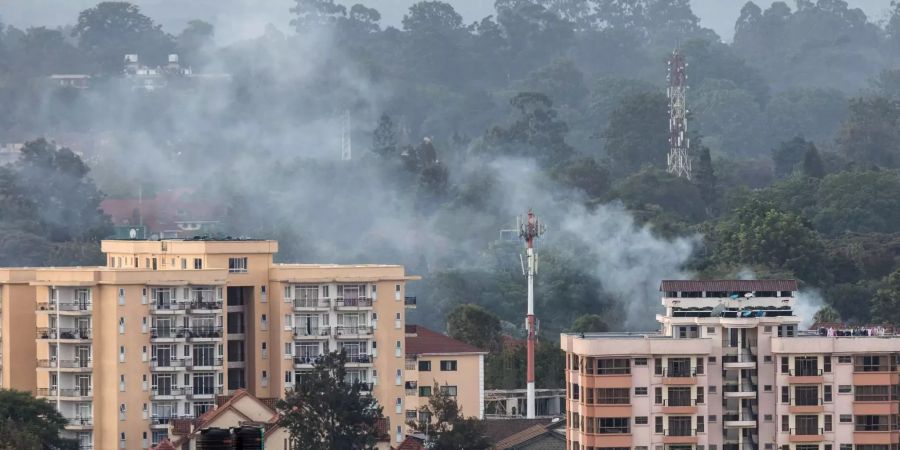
157 421
342 303
409 302
680 436
743 360
312 304
679 406
167 307
359 359
204 307
171 393
412 389
308 361
66 393
168 334
679 376
79 365
312 332
204 333
740 389
352 332
205 393
746 419
167 365
79 423
65 334
806 405
204 363
66 307
807 434
806 375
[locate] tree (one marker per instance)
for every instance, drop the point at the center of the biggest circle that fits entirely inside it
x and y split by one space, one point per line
655 191
560 81
536 132
314 14
384 138
110 30
871 135
28 423
194 39
886 303
704 177
445 427
760 234
589 323
474 325
893 26
858 201
789 155
812 163
636 135
431 17
326 411
586 174
826 314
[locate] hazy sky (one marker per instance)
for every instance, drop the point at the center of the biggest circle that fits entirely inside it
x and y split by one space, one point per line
236 19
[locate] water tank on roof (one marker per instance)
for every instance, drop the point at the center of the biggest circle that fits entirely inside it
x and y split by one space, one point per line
248 438
214 439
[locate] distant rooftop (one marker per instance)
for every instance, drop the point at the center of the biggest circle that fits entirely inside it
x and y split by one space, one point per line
422 341
727 285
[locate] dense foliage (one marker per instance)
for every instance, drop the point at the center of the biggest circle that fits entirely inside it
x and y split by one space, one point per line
459 126
28 423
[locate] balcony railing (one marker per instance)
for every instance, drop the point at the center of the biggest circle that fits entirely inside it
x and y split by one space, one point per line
204 362
161 420
312 303
169 392
680 432
64 333
357 330
679 372
312 331
65 392
80 421
204 392
679 402
185 332
204 332
807 431
360 359
168 306
205 305
65 363
805 372
308 359
806 401
171 362
66 306
358 302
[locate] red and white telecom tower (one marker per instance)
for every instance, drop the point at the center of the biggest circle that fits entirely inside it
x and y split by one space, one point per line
679 143
529 230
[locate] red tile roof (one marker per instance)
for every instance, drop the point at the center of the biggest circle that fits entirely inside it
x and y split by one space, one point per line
497 430
411 443
727 285
422 341
164 445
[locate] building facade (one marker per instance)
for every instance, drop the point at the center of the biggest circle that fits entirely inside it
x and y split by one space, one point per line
457 368
166 326
731 370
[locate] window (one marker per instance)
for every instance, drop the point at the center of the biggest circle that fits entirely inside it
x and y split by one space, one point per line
657 395
767 329
785 364
785 423
424 366
712 389
785 394
845 360
768 418
700 397
711 360
712 418
827 393
640 391
198 263
613 425
846 447
767 388
613 396
237 265
700 366
828 422
613 366
710 330
874 393
806 366
845 389
845 418
424 391
806 395
448 390
679 396
640 361
827 364
658 424
679 426
873 423
657 366
448 366
700 424
767 359
641 420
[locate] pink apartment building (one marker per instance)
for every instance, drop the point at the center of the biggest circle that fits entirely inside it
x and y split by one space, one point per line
730 369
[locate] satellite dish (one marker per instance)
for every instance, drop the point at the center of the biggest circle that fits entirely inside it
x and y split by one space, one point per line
748 295
717 310
132 233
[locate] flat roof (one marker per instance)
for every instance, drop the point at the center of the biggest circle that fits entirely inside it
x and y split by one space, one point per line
727 285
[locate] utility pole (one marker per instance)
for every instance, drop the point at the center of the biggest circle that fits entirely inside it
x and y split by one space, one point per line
679 143
529 230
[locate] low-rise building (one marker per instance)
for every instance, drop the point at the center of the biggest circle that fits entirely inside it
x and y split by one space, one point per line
731 370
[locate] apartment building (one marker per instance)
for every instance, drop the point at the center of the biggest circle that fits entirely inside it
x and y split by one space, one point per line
731 370
455 367
153 337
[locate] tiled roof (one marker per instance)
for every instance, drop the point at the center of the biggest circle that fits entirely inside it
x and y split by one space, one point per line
521 437
411 443
425 341
164 445
727 285
497 430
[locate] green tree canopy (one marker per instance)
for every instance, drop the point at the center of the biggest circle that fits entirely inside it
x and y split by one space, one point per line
886 303
445 426
474 325
871 135
589 323
636 136
28 423
110 30
326 411
789 156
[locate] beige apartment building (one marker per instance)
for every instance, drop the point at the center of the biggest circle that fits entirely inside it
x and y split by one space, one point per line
731 370
167 326
455 367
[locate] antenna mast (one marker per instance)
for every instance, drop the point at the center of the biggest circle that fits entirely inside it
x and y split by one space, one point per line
346 140
529 230
679 143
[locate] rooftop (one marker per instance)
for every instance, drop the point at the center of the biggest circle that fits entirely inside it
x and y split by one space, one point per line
422 341
727 285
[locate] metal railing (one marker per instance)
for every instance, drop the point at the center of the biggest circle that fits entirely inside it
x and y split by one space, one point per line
803 431
168 306
67 306
679 372
170 392
202 392
66 363
312 331
64 333
65 392
204 362
171 362
360 359
205 305
358 302
805 372
680 432
679 402
308 359
312 303
80 421
358 330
